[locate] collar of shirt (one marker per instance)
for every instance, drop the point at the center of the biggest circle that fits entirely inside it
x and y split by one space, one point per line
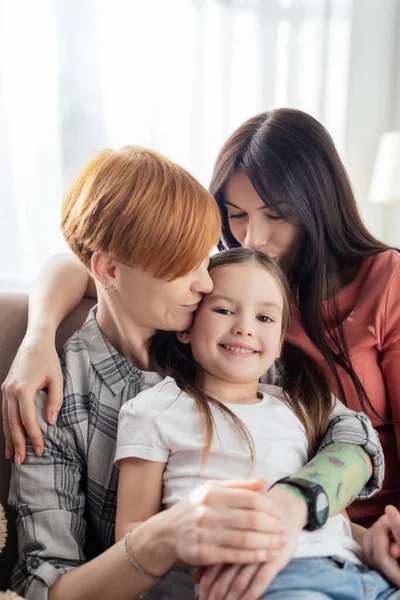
111 366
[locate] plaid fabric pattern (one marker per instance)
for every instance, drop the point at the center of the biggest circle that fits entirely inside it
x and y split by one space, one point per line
67 498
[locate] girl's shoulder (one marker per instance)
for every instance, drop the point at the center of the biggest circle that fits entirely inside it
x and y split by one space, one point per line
273 392
156 398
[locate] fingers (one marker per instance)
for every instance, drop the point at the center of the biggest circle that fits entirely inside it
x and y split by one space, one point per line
220 497
22 416
261 581
249 484
245 539
9 446
16 430
377 543
19 414
210 555
29 420
210 576
395 550
393 517
239 520
54 400
240 584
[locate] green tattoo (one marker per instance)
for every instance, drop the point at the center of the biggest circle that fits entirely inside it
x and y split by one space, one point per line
336 461
341 469
338 490
360 453
314 474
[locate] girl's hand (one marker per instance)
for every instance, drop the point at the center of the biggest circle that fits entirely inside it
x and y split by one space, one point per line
36 366
219 522
381 545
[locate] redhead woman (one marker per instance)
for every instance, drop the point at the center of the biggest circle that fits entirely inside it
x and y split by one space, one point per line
142 229
121 218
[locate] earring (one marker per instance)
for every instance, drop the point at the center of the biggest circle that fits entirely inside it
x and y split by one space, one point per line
113 287
106 288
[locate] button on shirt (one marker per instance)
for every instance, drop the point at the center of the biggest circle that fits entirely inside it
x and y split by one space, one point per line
66 499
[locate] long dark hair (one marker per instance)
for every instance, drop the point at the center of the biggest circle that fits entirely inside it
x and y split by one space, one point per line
306 389
290 157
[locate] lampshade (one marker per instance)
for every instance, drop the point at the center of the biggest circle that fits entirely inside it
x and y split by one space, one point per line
385 183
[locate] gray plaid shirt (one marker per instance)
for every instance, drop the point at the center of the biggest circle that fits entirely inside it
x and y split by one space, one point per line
66 500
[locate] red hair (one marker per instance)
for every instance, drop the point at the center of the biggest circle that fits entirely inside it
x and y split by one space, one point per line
143 209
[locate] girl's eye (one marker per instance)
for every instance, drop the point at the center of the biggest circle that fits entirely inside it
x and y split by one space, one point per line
264 319
223 311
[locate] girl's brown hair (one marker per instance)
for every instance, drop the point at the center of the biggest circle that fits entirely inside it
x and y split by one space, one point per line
289 157
143 209
306 389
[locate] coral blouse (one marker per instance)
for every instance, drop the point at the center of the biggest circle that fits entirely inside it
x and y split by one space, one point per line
369 309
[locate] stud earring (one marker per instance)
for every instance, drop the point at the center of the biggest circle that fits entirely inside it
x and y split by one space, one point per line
106 288
113 287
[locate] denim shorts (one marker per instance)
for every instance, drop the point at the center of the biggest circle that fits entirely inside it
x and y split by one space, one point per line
329 579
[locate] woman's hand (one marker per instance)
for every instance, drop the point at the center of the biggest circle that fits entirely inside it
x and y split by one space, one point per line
36 366
249 582
381 545
219 522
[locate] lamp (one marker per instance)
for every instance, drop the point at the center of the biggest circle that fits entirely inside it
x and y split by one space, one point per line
385 182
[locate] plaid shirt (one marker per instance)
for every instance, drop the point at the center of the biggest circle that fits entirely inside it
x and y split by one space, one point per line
66 500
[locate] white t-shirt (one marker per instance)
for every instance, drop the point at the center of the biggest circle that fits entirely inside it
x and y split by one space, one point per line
163 424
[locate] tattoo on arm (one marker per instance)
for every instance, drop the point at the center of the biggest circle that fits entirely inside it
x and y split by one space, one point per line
336 462
342 470
338 489
314 474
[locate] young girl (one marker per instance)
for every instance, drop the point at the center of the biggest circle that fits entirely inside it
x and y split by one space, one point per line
210 418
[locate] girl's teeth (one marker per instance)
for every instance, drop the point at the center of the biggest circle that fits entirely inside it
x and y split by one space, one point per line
238 350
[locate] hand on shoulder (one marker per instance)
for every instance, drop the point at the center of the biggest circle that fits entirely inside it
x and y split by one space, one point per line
36 366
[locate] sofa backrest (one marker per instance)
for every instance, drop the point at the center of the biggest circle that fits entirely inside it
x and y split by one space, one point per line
13 320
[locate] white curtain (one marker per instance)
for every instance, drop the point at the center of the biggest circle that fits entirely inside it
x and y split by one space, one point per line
177 76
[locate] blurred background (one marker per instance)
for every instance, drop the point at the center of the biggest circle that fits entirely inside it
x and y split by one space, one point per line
179 76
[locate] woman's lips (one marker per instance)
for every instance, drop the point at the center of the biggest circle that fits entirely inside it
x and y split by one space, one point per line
191 307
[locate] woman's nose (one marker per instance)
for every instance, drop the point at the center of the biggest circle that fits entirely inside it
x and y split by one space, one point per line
203 283
256 234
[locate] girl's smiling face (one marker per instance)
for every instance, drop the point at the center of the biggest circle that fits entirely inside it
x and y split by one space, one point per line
237 331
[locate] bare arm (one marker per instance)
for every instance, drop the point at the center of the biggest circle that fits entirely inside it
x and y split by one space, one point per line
139 493
110 575
58 289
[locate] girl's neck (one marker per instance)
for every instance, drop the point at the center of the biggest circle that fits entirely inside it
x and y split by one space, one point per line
126 337
228 391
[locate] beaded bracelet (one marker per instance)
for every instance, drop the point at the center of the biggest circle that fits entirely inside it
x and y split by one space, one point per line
129 556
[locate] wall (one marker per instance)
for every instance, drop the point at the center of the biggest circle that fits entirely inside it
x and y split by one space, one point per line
373 103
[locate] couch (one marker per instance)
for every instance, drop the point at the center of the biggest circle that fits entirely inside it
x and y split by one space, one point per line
13 319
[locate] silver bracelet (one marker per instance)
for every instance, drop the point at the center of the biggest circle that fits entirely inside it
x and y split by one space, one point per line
129 556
